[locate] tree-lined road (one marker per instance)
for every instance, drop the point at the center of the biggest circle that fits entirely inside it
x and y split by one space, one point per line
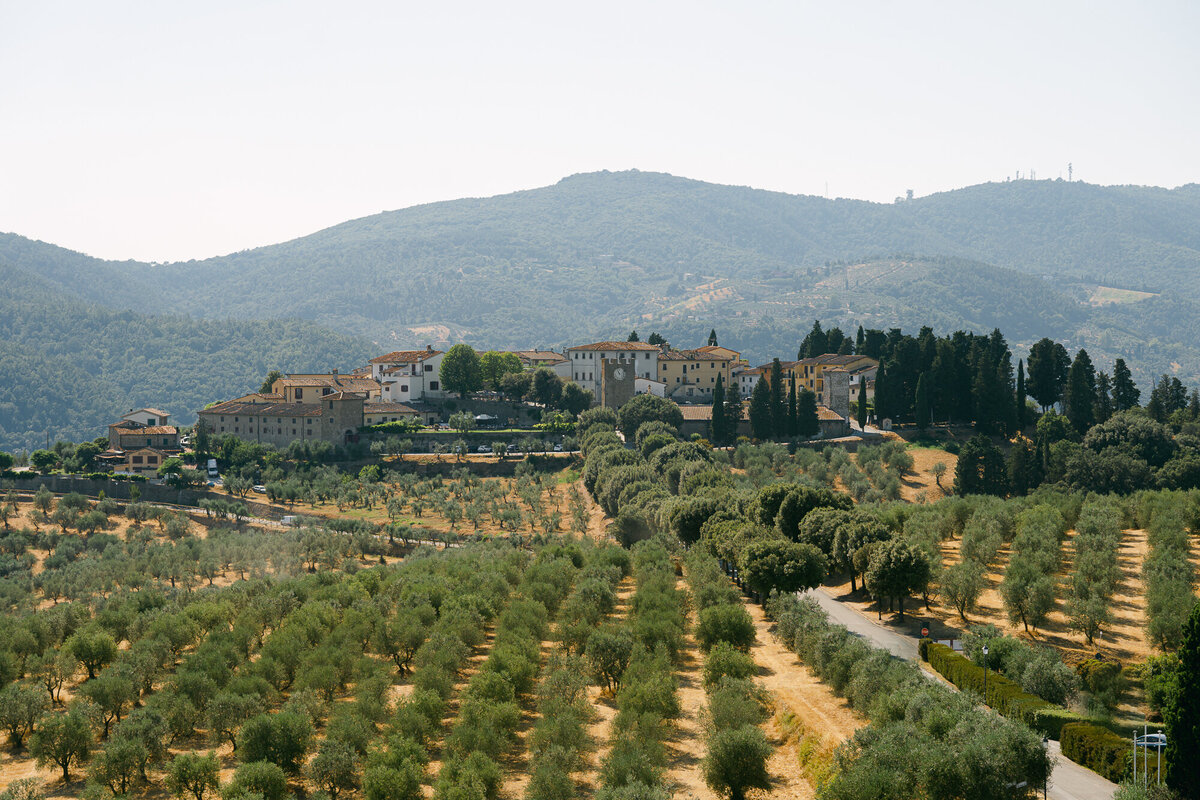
1068 781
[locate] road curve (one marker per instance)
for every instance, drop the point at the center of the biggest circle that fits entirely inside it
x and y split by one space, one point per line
1068 781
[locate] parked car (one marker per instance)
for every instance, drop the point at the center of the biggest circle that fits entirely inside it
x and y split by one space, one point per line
260 489
558 448
483 449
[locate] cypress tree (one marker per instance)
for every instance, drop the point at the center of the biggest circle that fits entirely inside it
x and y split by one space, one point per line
712 338
882 408
1125 394
779 424
1182 715
807 422
1021 408
792 427
1079 399
922 402
1103 404
760 410
717 425
862 403
859 341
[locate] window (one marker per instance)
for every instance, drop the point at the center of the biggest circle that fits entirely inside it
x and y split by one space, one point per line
309 421
299 393
326 390
222 419
331 405
433 386
235 429
151 459
429 367
135 459
404 387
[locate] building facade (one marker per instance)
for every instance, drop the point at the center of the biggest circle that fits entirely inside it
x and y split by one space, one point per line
311 388
586 362
409 376
336 419
691 375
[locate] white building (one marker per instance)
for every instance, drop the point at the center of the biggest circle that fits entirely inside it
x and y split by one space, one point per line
747 379
408 376
147 417
585 361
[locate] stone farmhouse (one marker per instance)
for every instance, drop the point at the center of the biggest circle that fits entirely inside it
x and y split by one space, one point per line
140 441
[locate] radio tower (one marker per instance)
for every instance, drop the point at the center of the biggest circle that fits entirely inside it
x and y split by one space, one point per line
1070 171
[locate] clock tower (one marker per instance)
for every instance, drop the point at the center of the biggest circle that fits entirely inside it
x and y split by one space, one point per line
616 382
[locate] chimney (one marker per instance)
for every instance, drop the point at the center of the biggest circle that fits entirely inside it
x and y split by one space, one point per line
428 348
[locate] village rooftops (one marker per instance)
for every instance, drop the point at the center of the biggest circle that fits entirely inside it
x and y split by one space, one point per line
152 430
723 353
539 356
406 356
237 407
636 346
157 412
259 397
388 408
704 413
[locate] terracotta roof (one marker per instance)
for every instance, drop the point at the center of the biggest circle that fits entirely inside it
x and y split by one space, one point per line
405 356
702 413
351 382
260 397
540 355
153 430
125 424
832 359
234 407
824 414
146 450
388 408
615 346
155 411
343 395
723 352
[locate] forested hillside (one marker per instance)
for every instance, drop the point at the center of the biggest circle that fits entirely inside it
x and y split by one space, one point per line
599 254
71 367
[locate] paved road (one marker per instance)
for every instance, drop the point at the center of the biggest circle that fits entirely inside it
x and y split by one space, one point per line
1069 781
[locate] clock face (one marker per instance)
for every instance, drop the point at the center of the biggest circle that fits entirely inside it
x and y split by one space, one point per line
619 373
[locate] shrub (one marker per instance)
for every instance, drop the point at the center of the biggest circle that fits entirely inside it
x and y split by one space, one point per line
725 623
257 778
1096 748
724 661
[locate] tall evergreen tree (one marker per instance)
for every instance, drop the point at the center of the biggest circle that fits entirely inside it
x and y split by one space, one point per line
981 469
862 405
779 423
1022 417
859 341
1079 398
1024 468
989 395
717 425
761 424
834 339
1168 396
882 408
655 338
815 344
792 427
1125 394
1182 715
1103 404
922 404
1047 375
712 338
807 422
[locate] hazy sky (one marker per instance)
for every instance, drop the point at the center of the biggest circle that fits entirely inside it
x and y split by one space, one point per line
163 130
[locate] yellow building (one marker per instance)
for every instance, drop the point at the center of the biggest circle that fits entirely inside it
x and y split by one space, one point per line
311 388
691 375
809 372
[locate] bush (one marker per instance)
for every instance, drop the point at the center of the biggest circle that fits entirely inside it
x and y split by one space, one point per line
1098 749
724 661
726 623
737 761
257 778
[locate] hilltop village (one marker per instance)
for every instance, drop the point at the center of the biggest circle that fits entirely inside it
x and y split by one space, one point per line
433 389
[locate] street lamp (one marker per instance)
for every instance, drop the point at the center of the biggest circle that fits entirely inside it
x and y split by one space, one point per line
985 672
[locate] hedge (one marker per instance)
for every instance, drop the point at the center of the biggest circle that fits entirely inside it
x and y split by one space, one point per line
1098 749
1050 721
1003 695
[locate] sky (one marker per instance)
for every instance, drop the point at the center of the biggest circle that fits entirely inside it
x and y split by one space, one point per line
170 131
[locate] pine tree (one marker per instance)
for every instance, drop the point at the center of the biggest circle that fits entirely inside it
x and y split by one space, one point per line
1079 398
1125 394
922 402
717 425
807 421
981 469
760 410
792 427
633 337
779 423
815 344
1021 409
712 338
1024 468
1048 365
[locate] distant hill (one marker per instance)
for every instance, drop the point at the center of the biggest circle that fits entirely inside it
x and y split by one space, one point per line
72 367
1116 269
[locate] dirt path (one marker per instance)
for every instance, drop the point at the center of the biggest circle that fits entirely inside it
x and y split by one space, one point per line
473 664
516 762
685 748
824 717
604 706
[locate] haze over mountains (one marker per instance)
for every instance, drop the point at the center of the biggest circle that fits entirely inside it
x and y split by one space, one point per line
1115 269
